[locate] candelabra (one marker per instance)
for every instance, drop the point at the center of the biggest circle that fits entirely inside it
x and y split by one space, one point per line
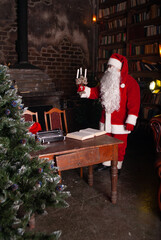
80 79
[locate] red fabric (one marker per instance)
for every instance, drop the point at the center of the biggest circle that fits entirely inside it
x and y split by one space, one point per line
28 118
129 127
55 121
129 103
121 147
124 69
95 93
36 127
81 88
102 119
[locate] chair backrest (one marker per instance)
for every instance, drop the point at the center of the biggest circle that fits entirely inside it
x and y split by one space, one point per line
29 116
155 124
56 119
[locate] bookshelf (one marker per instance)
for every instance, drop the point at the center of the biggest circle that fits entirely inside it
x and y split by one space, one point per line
131 28
112 22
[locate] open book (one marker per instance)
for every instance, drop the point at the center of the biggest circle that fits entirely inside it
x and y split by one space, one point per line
84 134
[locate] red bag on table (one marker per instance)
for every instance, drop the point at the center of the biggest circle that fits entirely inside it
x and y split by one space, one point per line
36 127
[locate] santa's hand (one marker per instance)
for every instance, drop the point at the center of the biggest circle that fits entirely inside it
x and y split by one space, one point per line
129 127
80 88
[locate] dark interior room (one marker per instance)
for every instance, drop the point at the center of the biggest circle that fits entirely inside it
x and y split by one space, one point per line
58 182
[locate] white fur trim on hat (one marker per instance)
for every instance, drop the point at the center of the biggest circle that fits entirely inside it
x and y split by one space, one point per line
114 62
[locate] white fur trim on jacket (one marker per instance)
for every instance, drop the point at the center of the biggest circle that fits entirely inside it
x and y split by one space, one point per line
114 128
101 126
108 122
131 119
86 93
114 62
119 129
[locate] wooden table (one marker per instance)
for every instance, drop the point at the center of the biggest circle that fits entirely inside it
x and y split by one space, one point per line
71 153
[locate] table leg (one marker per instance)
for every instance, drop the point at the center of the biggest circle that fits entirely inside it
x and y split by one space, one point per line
114 176
90 175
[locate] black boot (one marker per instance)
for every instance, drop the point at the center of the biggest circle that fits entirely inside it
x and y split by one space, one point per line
101 167
119 172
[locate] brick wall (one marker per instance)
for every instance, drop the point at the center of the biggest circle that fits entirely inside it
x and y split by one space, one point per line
8 32
60 64
60 54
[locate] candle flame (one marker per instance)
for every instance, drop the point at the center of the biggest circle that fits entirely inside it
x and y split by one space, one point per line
94 18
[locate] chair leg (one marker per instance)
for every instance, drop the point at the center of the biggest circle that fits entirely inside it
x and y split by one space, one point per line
159 197
81 172
90 175
159 190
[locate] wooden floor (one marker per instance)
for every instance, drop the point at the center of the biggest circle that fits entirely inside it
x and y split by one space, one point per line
91 215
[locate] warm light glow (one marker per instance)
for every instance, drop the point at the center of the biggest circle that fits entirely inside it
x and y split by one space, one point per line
156 91
158 82
155 86
152 85
94 19
160 50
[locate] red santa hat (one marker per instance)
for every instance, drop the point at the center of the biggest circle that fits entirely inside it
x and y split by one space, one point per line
119 62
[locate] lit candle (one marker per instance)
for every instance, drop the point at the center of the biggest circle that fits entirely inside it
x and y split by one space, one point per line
85 73
80 71
77 73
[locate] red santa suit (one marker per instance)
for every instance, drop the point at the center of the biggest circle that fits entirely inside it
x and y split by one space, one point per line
120 122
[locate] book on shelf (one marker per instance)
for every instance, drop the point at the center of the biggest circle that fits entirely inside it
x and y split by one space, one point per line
84 134
144 49
154 11
138 66
144 65
134 3
156 66
158 98
104 12
148 67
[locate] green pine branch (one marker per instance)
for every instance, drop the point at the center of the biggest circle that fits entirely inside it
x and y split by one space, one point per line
27 185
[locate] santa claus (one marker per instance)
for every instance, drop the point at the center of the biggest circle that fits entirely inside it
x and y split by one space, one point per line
120 98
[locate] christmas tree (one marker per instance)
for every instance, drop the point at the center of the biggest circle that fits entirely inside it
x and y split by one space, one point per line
27 185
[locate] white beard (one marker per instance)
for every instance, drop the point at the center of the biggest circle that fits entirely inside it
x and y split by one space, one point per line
110 90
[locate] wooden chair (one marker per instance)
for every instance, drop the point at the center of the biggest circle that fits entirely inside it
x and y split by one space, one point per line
155 124
30 116
57 119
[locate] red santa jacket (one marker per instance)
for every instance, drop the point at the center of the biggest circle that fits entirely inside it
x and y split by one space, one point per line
129 106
